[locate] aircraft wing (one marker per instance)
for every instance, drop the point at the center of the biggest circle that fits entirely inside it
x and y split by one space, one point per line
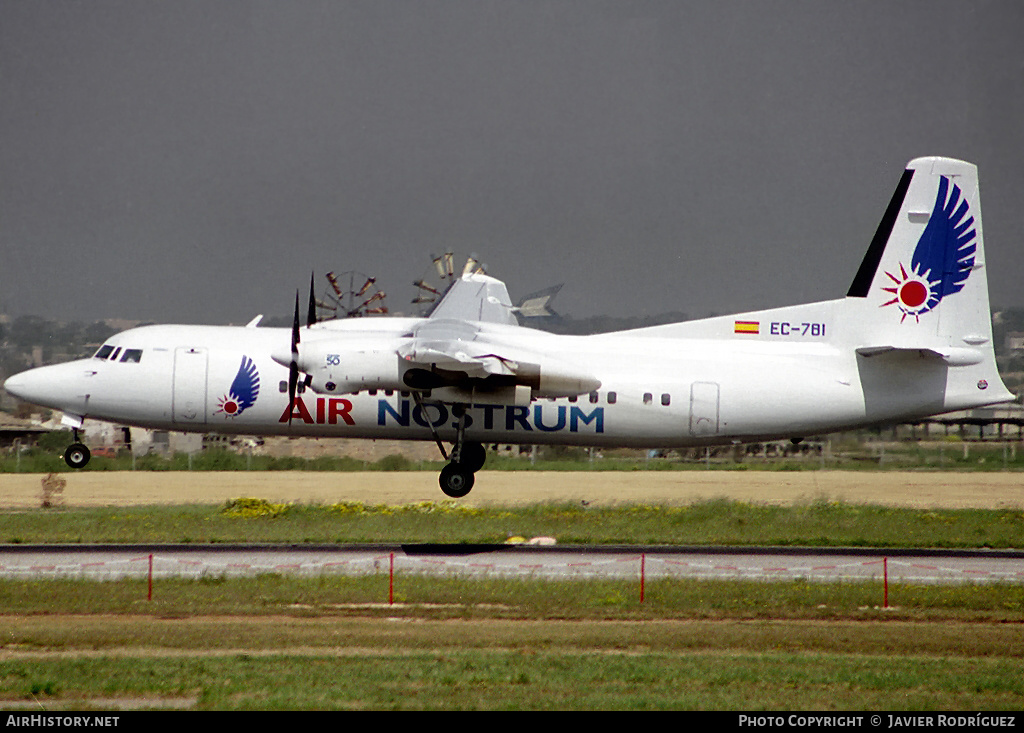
476 297
454 348
455 345
450 339
470 349
468 355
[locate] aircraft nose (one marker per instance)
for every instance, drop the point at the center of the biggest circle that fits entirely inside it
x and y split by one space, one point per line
55 386
17 386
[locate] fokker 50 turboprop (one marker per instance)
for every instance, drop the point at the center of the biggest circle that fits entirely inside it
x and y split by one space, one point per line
912 338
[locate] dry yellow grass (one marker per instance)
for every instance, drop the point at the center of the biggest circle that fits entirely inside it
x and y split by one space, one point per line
915 490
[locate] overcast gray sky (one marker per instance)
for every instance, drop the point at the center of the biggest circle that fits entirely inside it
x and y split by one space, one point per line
194 161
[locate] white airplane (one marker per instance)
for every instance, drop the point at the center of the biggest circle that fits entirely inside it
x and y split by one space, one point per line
912 338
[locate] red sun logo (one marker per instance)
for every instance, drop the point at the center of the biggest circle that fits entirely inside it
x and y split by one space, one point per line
913 292
227 405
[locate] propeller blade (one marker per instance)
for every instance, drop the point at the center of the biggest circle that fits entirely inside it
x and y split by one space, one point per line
293 382
295 328
293 367
311 312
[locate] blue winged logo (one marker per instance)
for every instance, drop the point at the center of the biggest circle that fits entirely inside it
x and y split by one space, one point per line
943 258
244 390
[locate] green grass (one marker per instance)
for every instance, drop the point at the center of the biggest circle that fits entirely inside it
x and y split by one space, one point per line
335 642
277 642
845 453
520 680
281 643
426 597
714 522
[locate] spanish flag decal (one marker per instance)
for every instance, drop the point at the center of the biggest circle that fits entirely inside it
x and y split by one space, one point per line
748 327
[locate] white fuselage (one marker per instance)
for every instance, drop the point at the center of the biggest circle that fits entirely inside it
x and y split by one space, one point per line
658 388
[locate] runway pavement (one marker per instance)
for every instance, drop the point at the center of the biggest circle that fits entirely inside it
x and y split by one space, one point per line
111 562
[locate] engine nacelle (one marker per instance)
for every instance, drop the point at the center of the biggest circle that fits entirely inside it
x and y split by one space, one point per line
553 378
335 371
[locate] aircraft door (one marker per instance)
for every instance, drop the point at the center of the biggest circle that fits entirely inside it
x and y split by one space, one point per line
190 368
703 408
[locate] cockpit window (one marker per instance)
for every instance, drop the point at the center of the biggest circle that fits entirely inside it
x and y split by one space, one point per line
111 352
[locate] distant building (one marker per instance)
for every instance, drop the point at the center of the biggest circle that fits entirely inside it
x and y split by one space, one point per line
1015 341
14 431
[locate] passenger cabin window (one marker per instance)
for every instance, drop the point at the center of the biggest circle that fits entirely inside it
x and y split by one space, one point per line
593 398
612 396
104 351
666 399
132 355
648 398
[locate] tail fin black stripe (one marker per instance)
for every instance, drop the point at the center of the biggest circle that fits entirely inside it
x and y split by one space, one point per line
866 273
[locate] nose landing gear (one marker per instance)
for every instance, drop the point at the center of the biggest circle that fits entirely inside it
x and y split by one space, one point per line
77 455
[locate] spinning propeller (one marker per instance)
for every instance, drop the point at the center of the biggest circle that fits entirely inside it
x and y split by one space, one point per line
293 365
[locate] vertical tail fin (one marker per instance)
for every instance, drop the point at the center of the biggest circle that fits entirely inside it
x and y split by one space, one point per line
923 275
922 284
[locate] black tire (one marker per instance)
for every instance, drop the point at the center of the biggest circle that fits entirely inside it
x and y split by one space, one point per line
77 455
455 480
473 457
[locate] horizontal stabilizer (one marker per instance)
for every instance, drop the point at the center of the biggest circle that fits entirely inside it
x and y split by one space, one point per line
953 356
538 305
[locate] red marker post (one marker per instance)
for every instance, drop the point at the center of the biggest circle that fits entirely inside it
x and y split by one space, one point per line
643 563
885 575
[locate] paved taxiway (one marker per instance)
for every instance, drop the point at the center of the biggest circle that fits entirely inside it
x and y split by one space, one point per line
111 562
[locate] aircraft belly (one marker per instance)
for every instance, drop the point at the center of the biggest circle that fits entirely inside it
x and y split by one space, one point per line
788 399
792 412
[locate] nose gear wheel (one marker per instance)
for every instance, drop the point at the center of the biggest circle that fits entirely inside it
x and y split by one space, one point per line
77 455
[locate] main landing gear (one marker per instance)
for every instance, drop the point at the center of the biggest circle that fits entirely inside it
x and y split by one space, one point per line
467 457
457 477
